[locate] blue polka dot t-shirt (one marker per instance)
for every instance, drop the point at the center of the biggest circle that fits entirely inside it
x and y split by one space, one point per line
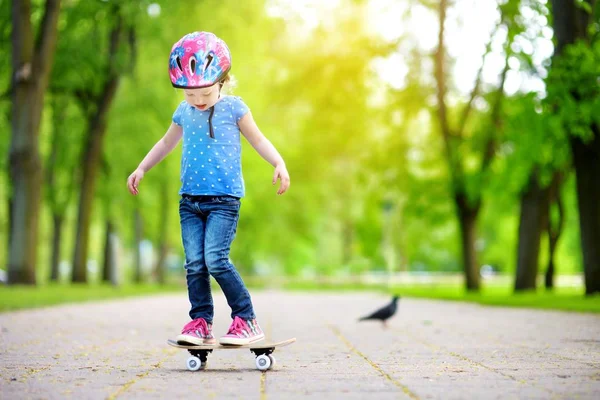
211 166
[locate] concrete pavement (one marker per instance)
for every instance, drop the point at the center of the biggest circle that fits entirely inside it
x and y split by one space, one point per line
431 350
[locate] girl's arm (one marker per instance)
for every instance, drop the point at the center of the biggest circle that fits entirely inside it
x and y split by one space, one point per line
160 150
266 150
163 147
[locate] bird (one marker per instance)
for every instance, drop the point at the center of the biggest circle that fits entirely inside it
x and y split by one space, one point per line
384 313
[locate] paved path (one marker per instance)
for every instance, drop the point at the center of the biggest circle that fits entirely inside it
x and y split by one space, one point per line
431 350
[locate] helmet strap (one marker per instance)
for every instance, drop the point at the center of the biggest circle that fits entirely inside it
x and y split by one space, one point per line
210 125
212 111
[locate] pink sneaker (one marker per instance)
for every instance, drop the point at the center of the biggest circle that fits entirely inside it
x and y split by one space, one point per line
242 332
196 331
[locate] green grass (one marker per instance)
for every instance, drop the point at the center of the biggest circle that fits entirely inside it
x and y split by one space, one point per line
565 298
562 298
20 296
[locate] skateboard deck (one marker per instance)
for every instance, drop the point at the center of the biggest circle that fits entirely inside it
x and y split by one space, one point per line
263 351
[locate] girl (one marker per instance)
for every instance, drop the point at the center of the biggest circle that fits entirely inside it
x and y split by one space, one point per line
212 183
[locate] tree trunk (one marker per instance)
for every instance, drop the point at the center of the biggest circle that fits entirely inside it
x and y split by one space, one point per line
137 277
93 149
109 267
586 159
453 138
467 218
549 276
10 220
57 207
467 215
571 23
31 66
554 231
91 161
535 206
159 268
163 247
57 222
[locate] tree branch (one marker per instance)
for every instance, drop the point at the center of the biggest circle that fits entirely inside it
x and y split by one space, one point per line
58 115
449 137
109 89
46 41
114 40
132 39
468 107
22 42
440 76
430 4
556 197
490 144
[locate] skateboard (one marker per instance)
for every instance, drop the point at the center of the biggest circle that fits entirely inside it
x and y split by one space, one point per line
263 351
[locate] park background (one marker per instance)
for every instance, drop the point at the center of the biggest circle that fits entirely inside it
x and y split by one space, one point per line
461 162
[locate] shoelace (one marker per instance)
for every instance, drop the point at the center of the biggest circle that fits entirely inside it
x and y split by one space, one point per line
237 326
197 324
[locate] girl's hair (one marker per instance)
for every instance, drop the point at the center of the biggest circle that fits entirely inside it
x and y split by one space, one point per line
228 83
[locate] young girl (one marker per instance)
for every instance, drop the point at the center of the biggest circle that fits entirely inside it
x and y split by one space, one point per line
212 183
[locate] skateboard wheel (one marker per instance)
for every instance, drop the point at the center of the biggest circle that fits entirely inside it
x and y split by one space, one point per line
273 361
263 362
193 363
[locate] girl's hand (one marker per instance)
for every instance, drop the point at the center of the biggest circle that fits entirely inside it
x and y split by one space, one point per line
134 180
281 173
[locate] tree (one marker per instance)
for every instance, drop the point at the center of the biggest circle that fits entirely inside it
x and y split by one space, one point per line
32 59
5 111
60 170
534 219
95 102
468 197
554 228
574 92
159 269
109 265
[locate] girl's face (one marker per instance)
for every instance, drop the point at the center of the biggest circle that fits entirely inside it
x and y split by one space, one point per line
204 98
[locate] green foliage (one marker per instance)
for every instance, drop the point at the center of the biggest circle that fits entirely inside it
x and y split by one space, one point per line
584 5
531 141
574 89
65 132
22 297
367 165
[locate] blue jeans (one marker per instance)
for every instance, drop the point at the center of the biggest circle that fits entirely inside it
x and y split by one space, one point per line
208 226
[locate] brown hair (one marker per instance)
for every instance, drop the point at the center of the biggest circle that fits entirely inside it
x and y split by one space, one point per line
228 83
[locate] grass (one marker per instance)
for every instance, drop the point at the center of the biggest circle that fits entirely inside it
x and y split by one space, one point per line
21 296
562 298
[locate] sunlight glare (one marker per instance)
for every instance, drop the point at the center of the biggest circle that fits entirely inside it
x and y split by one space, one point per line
468 29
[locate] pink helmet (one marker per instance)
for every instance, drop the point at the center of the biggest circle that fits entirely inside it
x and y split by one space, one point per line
199 59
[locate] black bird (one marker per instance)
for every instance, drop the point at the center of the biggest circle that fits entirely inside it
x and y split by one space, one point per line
384 313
